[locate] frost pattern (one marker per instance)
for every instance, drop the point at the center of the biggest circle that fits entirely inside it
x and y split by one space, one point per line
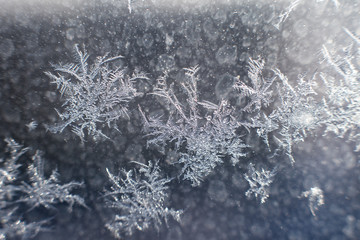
202 142
259 92
9 170
343 99
11 223
293 5
286 13
14 227
297 110
48 191
259 182
297 114
316 199
294 110
140 198
41 191
94 96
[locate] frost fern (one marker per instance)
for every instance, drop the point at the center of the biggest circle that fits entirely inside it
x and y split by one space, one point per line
202 141
259 182
39 191
139 197
94 95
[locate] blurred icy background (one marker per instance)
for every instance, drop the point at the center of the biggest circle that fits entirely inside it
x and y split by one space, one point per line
219 36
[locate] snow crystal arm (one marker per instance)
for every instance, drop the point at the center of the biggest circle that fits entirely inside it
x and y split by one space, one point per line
355 38
285 14
9 170
190 86
12 224
201 141
259 92
162 90
342 101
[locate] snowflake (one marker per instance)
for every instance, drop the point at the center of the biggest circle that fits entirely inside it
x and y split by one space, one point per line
284 15
11 221
9 170
94 96
259 182
31 125
140 198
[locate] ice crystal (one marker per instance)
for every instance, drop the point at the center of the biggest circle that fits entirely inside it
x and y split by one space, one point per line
296 114
39 192
12 224
94 96
259 92
259 182
293 5
202 141
343 88
286 13
48 191
31 125
140 198
316 199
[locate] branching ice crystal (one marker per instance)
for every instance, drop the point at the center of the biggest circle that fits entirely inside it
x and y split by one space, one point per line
293 114
31 125
286 13
11 223
259 182
343 88
297 113
140 198
40 191
48 191
299 109
9 168
293 5
201 141
259 92
94 96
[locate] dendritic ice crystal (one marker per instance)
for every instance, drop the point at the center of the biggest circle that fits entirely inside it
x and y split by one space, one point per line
259 90
42 191
94 95
259 182
139 197
299 108
284 15
38 191
12 224
288 114
297 114
207 138
343 88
